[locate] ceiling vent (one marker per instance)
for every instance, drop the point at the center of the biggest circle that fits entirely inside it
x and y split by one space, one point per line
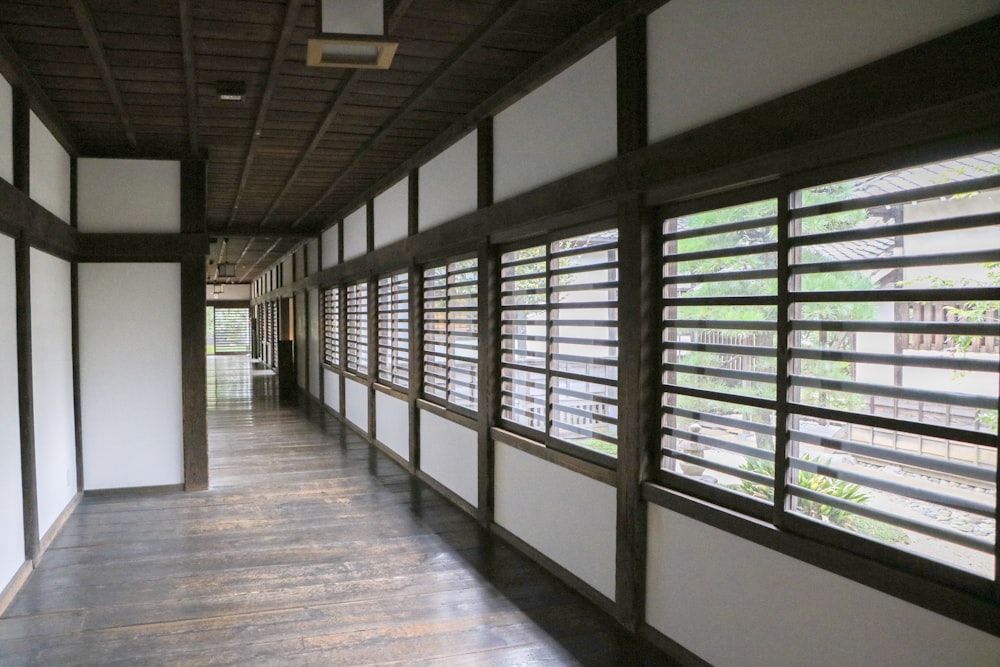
350 33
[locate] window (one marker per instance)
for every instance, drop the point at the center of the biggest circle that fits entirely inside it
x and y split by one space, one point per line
887 391
559 342
357 328
451 333
331 327
393 330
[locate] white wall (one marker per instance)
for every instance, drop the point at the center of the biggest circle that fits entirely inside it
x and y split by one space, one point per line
314 359
48 170
331 390
566 516
708 60
237 292
140 196
331 245
567 124
52 379
703 583
449 453
11 507
130 375
312 257
6 132
356 234
392 214
449 183
356 404
392 423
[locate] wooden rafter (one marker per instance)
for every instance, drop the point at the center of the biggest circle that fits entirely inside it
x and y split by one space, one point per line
93 38
190 80
332 111
267 253
475 39
291 18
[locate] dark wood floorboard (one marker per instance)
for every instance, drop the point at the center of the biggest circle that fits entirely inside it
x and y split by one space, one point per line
310 548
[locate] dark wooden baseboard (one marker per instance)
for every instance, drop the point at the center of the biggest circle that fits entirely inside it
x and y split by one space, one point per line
452 497
673 650
58 524
124 492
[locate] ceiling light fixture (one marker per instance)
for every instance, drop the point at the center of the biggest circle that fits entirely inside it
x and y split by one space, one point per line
218 288
350 33
231 91
225 269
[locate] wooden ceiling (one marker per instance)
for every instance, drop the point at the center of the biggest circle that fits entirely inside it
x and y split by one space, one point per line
137 78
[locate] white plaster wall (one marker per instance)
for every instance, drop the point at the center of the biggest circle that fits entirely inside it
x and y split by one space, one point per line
392 423
708 60
331 390
130 375
566 516
52 380
301 343
237 292
312 257
449 453
449 183
356 403
138 196
48 170
356 234
11 507
315 360
703 583
287 270
567 124
331 246
6 132
392 214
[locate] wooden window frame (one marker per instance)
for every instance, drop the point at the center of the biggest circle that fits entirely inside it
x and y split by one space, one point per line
393 342
446 371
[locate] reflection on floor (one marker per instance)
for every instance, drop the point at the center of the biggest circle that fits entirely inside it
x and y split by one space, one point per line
310 548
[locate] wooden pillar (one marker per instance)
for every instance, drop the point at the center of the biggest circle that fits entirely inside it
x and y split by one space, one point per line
25 390
638 349
21 112
415 323
488 370
193 366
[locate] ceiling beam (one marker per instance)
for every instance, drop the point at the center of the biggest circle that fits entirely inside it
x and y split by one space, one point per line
332 110
474 40
18 75
291 19
190 80
93 38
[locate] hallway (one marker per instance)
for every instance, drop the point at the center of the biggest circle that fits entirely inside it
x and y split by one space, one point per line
310 548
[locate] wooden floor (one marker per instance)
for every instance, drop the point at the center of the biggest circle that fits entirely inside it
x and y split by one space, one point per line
311 548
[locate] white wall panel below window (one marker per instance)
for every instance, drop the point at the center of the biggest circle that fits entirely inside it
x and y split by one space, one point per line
566 516
449 453
392 424
11 508
130 375
568 124
52 384
356 404
331 390
701 580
